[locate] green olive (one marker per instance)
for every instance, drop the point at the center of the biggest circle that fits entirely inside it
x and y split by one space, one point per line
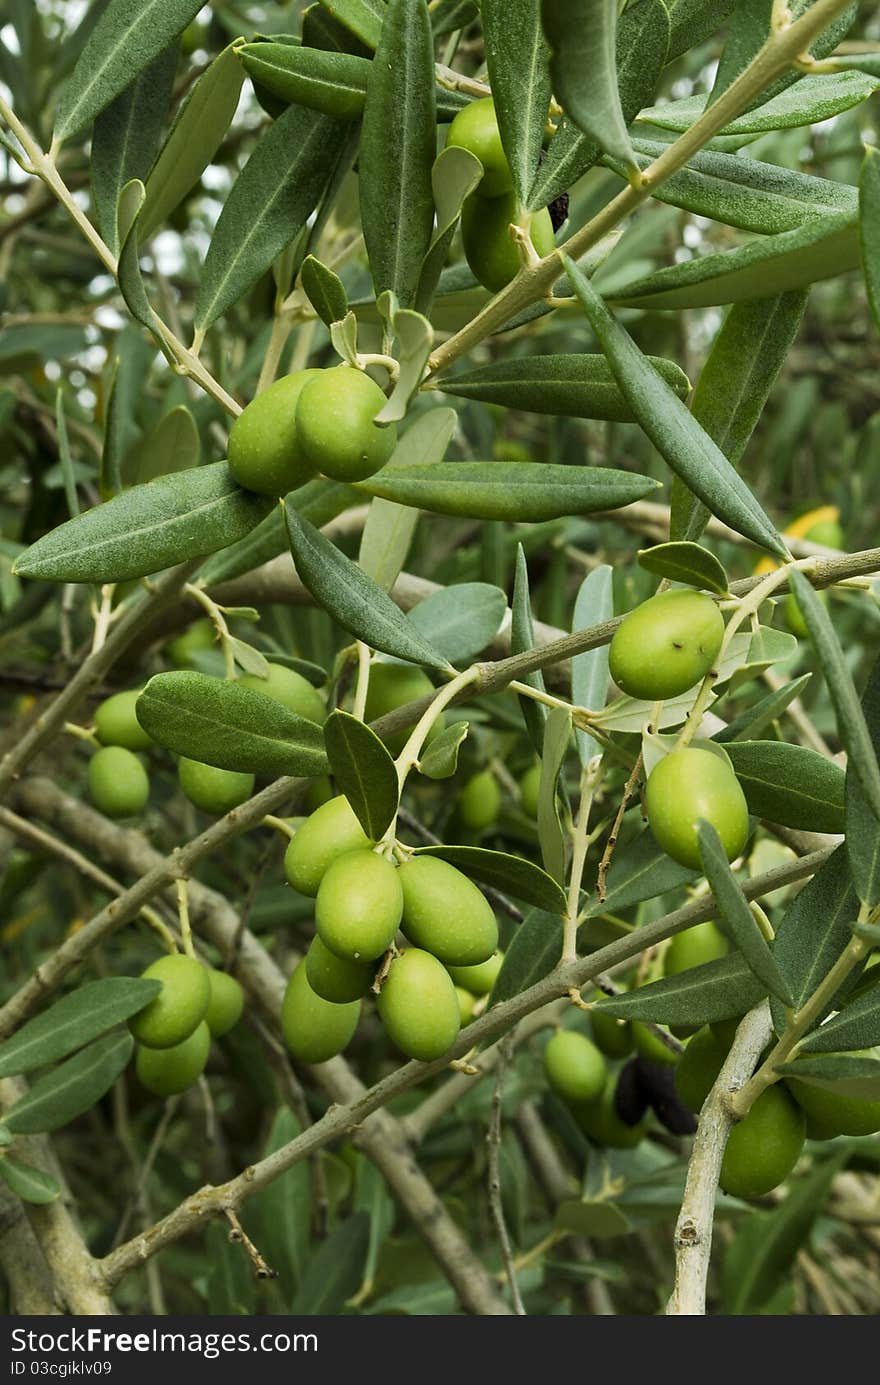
475 129
445 913
479 802
391 686
650 1046
466 1003
116 722
574 1067
118 783
612 1036
700 1065
200 636
418 1006
168 1071
320 791
288 687
529 788
337 979
179 1007
490 250
214 790
330 832
315 1029
725 1030
764 1147
478 979
829 1113
359 906
226 1003
694 948
599 1120
335 424
666 645
264 449
688 785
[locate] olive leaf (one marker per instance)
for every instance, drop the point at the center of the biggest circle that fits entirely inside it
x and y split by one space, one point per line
517 57
808 102
589 671
324 290
814 932
869 222
454 176
582 36
551 837
685 562
522 640
716 990
364 771
64 1093
75 1020
848 1074
573 385
790 784
510 874
756 719
439 760
30 1184
862 823
534 951
318 501
460 620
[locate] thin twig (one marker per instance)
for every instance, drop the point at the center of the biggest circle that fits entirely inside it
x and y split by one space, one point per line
493 1140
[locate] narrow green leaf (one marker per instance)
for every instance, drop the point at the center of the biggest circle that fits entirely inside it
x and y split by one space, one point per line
126 138
270 202
396 200
583 64
333 83
67 1091
714 991
510 874
172 446
790 784
64 455
640 870
219 722
557 734
74 1021
695 20
364 771
146 529
522 639
318 501
389 530
734 916
751 26
575 386
30 1184
454 176
364 18
685 562
847 1074
352 598
869 227
677 435
862 824
640 53
755 720
195 137
440 759
517 491
324 290
459 621
815 931
127 37
336 1272
589 671
283 1209
851 725
131 283
533 953
808 102
518 61
856 1026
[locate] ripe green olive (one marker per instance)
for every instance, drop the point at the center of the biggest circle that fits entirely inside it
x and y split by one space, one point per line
264 448
330 832
445 913
116 722
337 979
214 790
574 1067
168 1071
359 906
200 636
690 784
179 1007
830 1114
612 1036
335 424
391 686
288 687
666 645
118 783
490 250
479 979
650 1046
479 802
226 1003
700 1065
694 947
315 1029
529 788
764 1147
466 1003
599 1120
475 129
418 1006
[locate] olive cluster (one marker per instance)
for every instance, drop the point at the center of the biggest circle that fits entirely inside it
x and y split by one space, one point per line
196 1004
363 898
489 212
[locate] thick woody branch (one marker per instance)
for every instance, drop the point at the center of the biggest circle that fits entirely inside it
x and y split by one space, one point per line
693 1230
28 1277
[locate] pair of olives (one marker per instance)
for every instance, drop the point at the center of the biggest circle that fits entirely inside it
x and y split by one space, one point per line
174 1032
118 783
308 422
489 212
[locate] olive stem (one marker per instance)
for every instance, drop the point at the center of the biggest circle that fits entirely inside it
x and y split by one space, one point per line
103 616
83 733
183 915
364 654
280 825
409 756
607 854
590 777
547 699
215 614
